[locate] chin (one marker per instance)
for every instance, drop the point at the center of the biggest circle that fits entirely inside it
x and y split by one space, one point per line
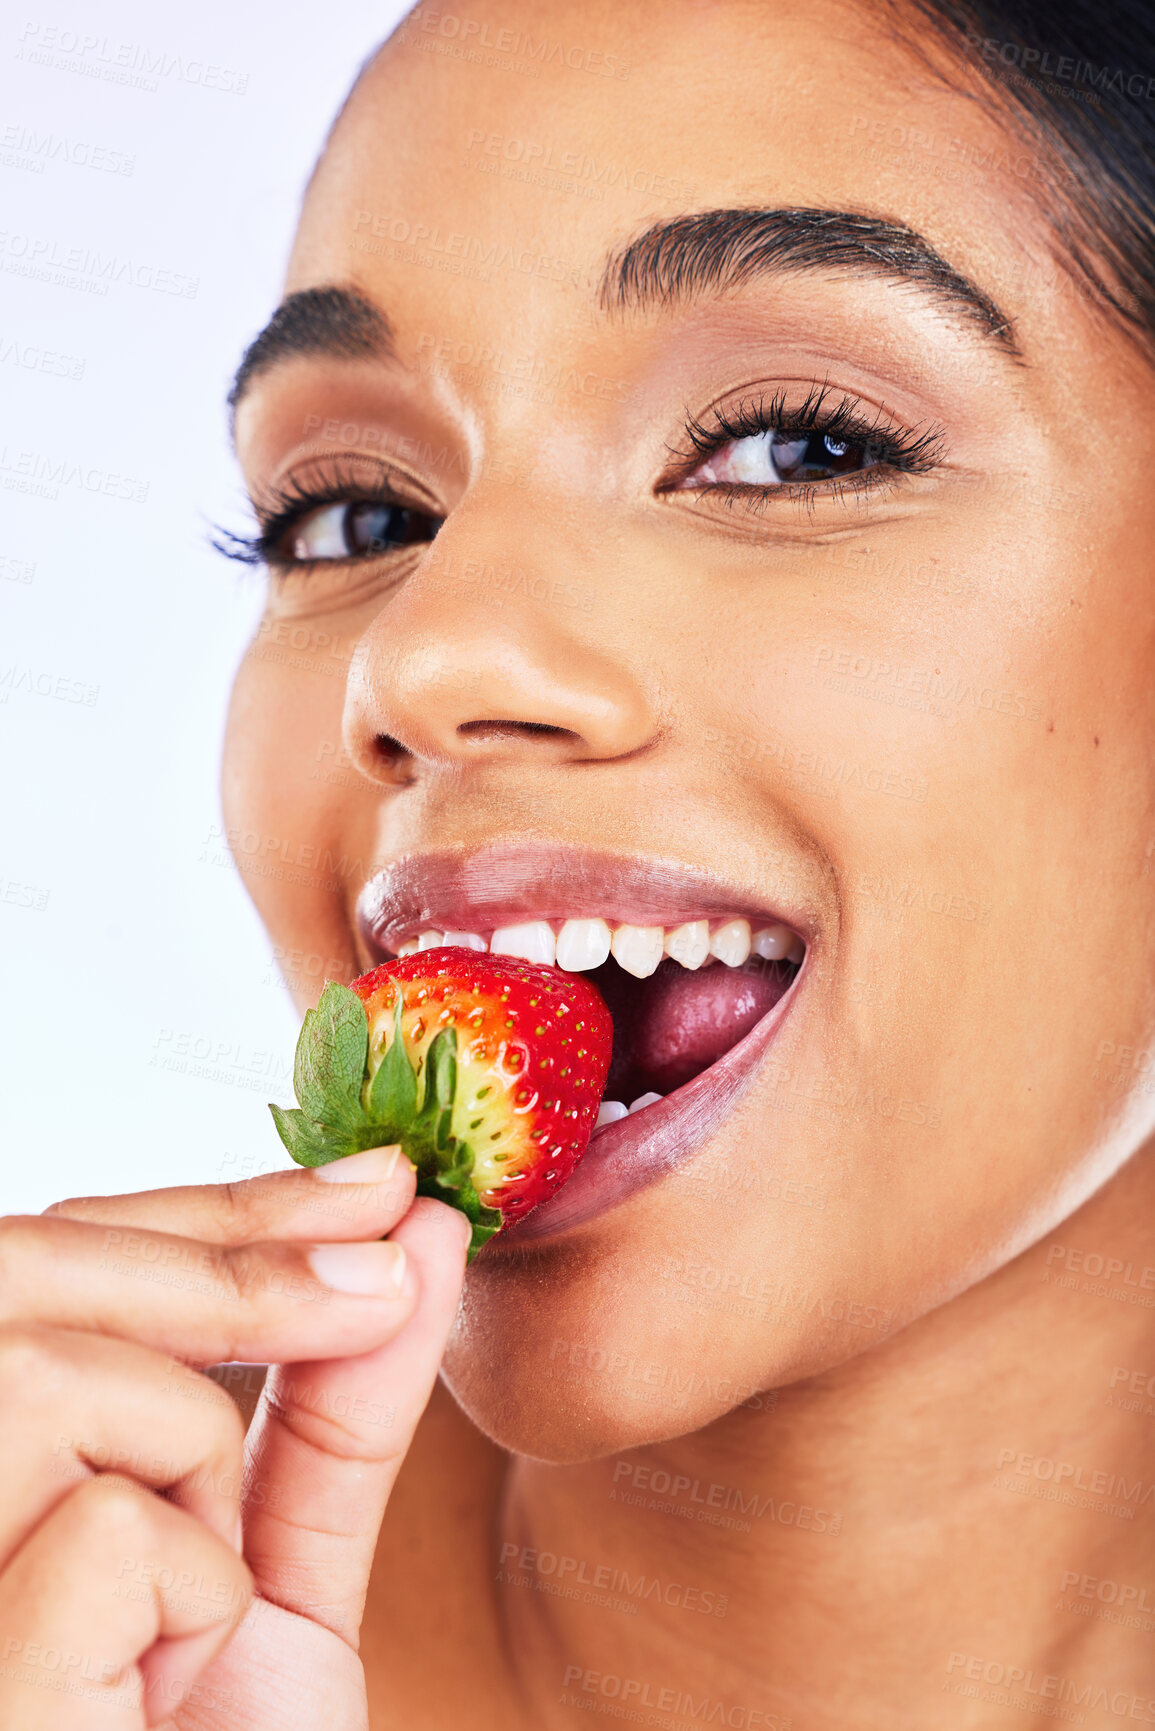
579 1349
562 1396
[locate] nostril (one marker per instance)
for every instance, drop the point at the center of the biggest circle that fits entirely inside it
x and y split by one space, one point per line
389 751
497 729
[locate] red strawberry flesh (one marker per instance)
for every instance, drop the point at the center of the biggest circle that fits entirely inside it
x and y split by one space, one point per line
533 1047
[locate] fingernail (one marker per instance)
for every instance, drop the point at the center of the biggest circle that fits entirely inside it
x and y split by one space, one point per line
371 1166
370 1269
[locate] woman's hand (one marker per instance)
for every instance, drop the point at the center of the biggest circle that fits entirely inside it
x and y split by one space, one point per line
121 1607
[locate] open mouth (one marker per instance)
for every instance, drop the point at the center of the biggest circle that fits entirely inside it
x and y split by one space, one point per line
694 998
679 997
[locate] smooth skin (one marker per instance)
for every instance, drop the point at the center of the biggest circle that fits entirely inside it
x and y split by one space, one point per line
956 1118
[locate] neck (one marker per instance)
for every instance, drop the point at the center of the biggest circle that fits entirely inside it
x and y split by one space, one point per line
968 1509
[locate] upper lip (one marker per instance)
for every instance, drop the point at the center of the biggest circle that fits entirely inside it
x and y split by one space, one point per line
506 882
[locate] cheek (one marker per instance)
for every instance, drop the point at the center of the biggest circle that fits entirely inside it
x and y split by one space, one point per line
292 807
287 702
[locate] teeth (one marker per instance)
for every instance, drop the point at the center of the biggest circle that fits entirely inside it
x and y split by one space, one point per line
731 943
582 944
610 1111
638 949
533 942
644 1100
772 943
689 944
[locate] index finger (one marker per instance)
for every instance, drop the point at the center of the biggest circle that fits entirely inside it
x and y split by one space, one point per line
359 1196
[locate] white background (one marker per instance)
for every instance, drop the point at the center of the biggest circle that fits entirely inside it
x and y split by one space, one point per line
129 955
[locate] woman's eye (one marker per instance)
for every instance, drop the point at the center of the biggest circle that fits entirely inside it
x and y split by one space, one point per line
358 530
769 459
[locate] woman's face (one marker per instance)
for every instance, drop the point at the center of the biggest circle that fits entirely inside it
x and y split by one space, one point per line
883 677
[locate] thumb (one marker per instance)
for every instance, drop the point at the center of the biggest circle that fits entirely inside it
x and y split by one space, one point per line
329 1438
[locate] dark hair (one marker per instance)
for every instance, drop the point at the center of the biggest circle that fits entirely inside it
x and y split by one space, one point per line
1078 78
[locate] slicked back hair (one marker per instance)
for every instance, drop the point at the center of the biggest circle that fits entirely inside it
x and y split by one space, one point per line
1077 77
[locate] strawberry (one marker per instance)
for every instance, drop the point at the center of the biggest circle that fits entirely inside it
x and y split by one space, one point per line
486 1069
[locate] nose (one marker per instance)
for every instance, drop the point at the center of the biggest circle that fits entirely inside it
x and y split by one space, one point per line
476 659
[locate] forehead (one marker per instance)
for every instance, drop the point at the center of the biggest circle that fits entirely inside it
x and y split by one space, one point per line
516 146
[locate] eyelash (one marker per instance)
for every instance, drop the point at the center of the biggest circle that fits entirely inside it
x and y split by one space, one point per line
289 504
897 450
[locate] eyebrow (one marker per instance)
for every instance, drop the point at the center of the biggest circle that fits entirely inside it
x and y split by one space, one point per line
685 258
720 250
338 322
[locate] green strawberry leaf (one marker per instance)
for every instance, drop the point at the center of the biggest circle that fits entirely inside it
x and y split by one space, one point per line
301 1137
456 1188
441 1076
392 1096
440 1087
482 1233
330 1060
343 1109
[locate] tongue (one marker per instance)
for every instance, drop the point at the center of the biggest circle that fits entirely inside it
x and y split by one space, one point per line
680 1022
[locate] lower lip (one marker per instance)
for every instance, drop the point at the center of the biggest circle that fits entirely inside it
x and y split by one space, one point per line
636 1151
